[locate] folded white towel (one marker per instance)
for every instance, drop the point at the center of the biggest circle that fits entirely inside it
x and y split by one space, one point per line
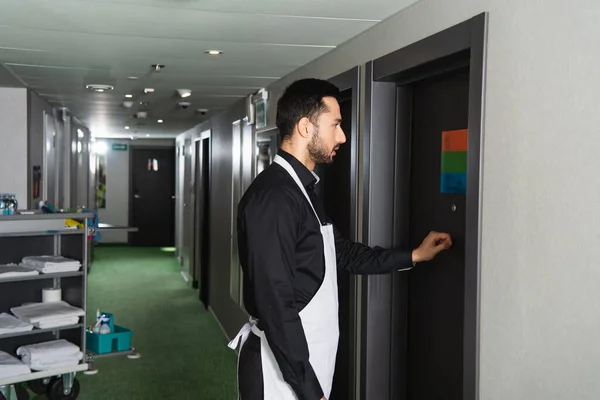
56 270
10 324
11 366
10 271
45 352
57 323
50 261
39 312
51 264
44 366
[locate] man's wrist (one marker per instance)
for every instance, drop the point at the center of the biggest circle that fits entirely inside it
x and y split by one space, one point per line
416 256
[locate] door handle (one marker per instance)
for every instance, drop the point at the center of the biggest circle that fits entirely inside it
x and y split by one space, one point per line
173 197
137 196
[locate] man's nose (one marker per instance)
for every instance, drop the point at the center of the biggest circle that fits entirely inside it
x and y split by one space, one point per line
341 137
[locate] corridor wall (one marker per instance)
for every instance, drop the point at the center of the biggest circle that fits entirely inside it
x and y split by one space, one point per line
539 178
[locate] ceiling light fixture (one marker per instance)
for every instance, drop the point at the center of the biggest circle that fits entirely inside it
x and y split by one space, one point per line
157 67
147 135
129 96
214 52
132 78
160 121
126 127
99 88
148 90
184 92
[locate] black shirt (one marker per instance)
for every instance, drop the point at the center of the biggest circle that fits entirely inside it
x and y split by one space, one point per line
281 254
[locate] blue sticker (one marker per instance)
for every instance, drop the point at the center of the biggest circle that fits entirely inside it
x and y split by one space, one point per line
454 183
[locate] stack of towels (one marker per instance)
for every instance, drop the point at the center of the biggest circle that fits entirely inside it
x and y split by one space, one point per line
51 264
50 355
10 324
11 366
13 270
48 315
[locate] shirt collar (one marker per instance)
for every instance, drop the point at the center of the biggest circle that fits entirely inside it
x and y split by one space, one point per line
307 177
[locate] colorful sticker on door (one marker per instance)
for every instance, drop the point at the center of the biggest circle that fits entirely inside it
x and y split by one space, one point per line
453 176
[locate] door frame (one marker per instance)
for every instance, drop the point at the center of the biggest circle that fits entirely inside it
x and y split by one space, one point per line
428 57
350 80
194 259
131 149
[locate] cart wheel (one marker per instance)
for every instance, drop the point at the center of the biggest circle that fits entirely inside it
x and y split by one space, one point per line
21 393
55 391
38 386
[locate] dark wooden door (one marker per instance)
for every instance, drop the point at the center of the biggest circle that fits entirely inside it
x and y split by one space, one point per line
153 196
437 201
335 193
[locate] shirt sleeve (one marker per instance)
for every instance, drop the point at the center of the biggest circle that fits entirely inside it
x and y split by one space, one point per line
269 223
357 258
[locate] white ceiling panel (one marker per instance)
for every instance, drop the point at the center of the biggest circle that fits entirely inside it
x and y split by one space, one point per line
58 46
128 20
163 50
356 9
189 68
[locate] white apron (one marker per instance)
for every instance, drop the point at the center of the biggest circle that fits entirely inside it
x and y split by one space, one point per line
319 320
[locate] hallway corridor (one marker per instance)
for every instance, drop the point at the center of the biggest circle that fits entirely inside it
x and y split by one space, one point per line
184 352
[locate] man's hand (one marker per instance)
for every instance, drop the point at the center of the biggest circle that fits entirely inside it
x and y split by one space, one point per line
431 246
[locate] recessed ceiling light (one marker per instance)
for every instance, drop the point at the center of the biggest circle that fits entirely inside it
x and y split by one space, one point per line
184 92
129 96
98 88
214 52
126 127
132 78
160 121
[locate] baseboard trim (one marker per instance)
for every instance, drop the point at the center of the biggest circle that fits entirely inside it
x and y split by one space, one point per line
219 323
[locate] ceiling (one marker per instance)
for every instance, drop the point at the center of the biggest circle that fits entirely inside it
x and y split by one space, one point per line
57 47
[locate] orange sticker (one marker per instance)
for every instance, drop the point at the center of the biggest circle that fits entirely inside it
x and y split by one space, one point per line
455 140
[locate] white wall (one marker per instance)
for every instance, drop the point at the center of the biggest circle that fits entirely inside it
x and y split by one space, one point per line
541 185
118 176
117 192
13 143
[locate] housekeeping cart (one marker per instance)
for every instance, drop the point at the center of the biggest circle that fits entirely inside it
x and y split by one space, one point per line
40 235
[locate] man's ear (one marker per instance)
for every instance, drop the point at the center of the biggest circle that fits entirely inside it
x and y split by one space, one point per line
303 127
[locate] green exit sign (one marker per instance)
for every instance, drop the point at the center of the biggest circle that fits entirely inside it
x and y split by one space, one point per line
119 147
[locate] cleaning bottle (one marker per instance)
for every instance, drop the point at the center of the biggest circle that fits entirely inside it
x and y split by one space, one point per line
104 328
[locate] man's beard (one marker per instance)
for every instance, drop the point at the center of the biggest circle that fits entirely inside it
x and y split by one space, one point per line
317 151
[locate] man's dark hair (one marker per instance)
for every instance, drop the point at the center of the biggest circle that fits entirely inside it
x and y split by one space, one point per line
303 98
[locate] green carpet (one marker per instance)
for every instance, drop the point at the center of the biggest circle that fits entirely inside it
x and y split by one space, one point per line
184 352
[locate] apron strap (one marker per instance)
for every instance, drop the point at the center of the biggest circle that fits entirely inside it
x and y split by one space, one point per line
286 165
242 334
